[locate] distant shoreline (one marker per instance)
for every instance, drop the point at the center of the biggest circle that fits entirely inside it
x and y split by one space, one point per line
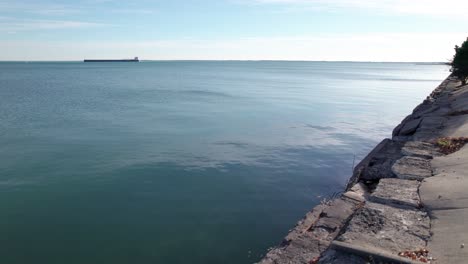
81 61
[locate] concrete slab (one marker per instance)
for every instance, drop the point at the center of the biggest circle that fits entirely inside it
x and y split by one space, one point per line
420 149
445 196
386 227
412 168
458 161
448 188
449 228
397 192
446 191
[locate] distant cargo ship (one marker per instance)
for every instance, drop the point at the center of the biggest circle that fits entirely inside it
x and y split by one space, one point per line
124 60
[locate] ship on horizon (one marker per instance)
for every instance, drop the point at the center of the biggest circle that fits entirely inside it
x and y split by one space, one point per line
122 60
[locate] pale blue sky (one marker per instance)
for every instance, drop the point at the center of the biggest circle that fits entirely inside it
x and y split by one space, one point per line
365 30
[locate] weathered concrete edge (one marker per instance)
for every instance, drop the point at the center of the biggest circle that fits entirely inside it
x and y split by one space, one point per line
369 251
356 191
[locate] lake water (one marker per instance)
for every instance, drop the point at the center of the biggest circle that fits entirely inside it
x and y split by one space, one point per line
183 161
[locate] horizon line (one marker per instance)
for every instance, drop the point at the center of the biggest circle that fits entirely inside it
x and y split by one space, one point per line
239 60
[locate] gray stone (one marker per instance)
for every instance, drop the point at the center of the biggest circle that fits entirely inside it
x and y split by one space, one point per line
422 107
410 127
430 128
425 135
432 123
378 163
428 109
412 168
302 249
387 227
402 138
397 129
435 110
357 193
306 251
397 192
378 168
306 223
333 218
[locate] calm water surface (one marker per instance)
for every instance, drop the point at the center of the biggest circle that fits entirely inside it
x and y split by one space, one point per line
183 162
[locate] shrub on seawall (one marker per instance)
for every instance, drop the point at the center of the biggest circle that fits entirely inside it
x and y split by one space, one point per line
460 62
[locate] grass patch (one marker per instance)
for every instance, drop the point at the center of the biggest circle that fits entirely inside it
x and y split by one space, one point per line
448 145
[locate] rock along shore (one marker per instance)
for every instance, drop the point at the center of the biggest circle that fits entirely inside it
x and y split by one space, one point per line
406 202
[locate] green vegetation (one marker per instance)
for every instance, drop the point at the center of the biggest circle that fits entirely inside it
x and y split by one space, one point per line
450 145
460 62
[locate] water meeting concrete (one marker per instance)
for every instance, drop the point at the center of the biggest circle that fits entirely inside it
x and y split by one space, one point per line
404 198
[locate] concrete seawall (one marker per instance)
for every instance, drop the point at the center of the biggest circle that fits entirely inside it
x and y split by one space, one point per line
406 202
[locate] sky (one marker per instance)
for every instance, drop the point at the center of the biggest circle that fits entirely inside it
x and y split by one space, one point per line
332 30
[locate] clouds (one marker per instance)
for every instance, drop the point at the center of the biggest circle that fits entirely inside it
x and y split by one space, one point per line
45 9
34 16
24 16
421 7
13 25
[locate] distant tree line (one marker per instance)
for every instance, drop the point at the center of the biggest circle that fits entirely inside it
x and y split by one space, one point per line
460 62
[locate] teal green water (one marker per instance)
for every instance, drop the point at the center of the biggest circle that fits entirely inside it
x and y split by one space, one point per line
183 162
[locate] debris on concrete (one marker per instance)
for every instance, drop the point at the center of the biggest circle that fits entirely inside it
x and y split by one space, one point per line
449 145
421 255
